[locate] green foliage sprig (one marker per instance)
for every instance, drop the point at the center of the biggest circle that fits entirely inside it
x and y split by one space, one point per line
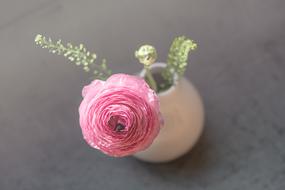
177 57
77 54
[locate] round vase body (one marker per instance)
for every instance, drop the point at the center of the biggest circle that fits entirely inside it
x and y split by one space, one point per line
183 114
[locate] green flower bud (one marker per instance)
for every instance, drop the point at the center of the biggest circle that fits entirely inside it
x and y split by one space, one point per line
146 55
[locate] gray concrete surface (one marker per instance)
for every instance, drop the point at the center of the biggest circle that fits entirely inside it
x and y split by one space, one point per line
239 69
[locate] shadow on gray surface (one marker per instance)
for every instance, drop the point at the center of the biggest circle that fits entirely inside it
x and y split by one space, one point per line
195 161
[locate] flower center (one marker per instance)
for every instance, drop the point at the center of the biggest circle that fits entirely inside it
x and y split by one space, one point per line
115 124
119 127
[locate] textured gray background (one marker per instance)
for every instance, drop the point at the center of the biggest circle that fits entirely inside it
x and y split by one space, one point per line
239 69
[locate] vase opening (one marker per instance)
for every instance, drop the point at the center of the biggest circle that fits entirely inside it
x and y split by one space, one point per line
163 85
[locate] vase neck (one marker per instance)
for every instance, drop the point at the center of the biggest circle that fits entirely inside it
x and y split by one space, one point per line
157 73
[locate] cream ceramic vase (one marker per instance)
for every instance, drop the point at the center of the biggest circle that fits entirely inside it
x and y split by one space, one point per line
182 109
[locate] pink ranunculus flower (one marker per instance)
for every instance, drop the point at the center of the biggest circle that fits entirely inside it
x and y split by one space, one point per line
119 116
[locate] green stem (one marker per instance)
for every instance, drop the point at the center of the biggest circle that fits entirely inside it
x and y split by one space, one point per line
150 78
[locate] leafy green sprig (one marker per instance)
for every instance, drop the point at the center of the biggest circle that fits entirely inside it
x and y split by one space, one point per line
177 58
77 54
